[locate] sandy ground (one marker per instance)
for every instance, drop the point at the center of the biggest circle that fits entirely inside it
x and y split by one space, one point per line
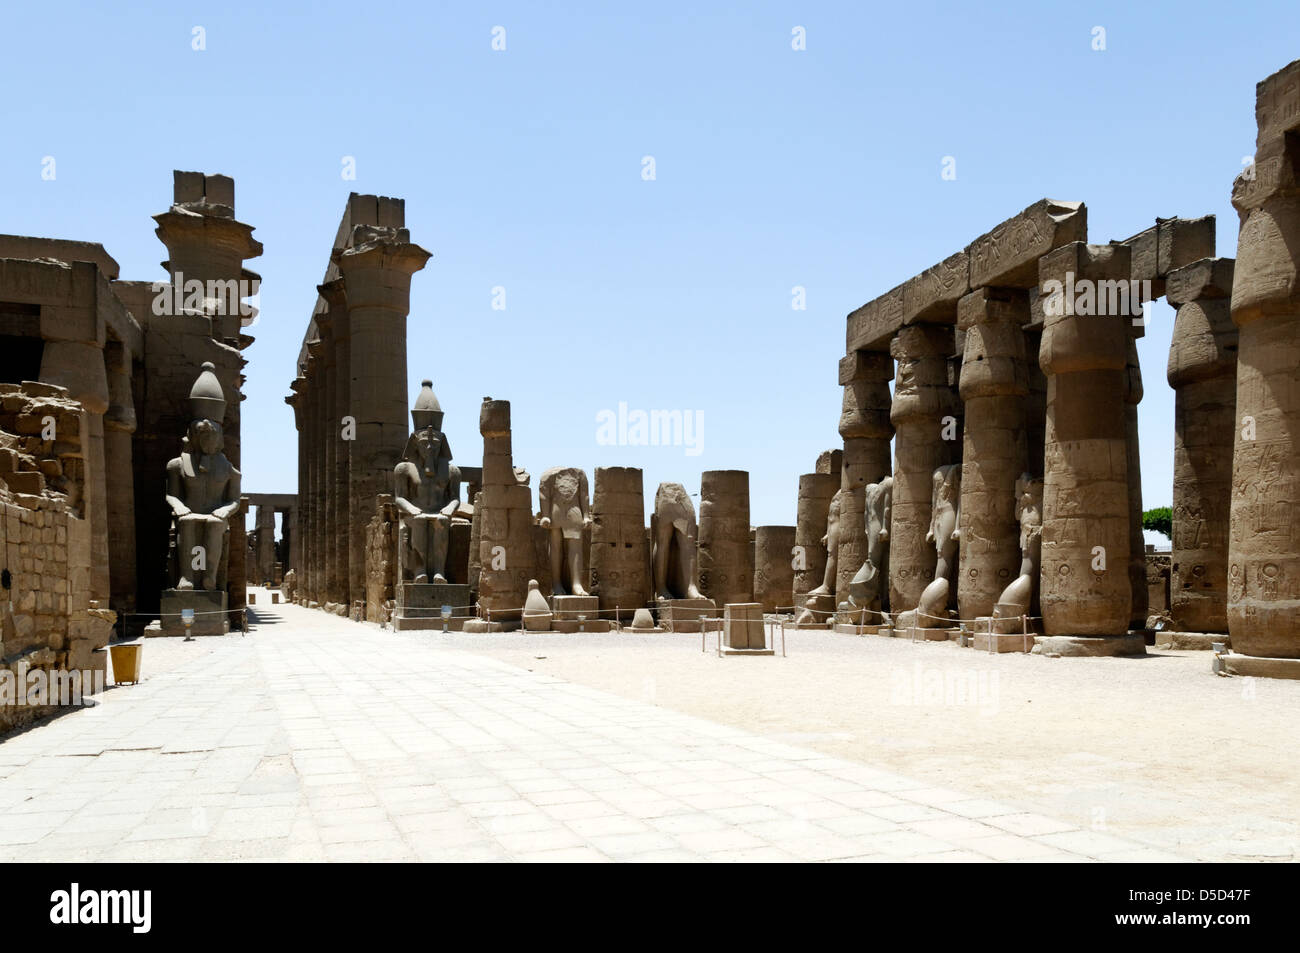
1157 749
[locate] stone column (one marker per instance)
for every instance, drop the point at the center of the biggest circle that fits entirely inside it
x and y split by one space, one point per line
1036 402
620 559
335 534
815 492
924 415
205 243
773 571
298 541
377 270
265 525
507 557
119 425
1137 550
1263 556
866 430
725 565
994 387
1203 373
315 392
351 576
1085 589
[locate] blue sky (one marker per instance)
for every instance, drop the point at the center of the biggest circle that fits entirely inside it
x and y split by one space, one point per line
522 169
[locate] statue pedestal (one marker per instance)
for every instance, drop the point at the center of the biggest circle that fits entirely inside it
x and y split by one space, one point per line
419 606
742 629
568 608
683 615
209 605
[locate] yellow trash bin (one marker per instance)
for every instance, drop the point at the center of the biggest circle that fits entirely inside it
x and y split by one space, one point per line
126 662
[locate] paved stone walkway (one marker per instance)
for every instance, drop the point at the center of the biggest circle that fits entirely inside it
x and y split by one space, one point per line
321 739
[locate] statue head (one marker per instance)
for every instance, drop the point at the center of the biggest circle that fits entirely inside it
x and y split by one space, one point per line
427 412
207 400
205 437
1029 500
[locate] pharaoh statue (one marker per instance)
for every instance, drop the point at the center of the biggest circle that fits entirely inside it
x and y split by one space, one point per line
945 535
871 581
1017 598
673 532
566 512
203 490
427 492
832 543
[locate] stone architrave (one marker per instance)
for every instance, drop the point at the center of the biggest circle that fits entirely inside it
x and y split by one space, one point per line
994 387
1202 370
620 556
928 436
1085 589
725 562
566 513
1263 549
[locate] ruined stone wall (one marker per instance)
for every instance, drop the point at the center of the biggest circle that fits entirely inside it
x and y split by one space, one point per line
47 619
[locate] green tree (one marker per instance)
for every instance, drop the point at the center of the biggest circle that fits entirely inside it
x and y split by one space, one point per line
1161 519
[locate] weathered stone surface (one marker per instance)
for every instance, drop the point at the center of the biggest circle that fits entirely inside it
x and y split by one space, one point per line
507 557
866 429
1202 370
1264 562
928 436
994 389
1085 541
726 564
620 552
773 569
1008 255
815 493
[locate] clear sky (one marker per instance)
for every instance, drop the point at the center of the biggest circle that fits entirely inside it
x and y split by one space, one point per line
522 169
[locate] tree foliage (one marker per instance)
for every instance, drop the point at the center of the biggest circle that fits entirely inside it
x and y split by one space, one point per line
1161 519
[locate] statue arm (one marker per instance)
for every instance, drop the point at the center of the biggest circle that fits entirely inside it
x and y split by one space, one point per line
231 496
174 490
401 486
584 498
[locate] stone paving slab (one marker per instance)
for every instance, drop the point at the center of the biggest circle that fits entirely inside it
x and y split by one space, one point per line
318 739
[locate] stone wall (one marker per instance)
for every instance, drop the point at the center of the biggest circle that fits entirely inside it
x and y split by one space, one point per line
47 620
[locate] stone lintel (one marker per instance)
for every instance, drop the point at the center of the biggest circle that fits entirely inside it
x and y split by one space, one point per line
866 365
1006 256
1206 278
1168 244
